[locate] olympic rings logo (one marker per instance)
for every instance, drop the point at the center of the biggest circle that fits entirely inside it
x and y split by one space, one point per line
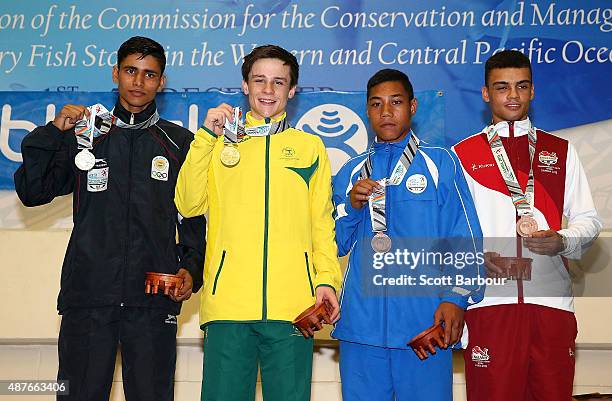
158 175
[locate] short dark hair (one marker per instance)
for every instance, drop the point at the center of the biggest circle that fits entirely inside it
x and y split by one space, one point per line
506 59
143 46
271 51
390 75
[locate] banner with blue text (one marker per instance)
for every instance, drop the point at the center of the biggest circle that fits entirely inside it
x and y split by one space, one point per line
68 45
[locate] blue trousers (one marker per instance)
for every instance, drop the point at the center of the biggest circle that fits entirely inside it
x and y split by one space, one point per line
371 373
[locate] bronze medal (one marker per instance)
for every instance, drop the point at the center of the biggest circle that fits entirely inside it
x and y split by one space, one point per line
526 226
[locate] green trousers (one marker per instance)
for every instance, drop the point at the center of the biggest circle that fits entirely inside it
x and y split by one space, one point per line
233 351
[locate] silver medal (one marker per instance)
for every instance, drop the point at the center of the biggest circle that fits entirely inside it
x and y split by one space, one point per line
381 243
85 160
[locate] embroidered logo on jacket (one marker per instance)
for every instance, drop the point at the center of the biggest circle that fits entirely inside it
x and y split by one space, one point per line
160 168
479 166
548 158
548 161
288 153
97 177
416 183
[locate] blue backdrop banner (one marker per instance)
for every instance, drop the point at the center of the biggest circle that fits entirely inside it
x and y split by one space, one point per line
441 44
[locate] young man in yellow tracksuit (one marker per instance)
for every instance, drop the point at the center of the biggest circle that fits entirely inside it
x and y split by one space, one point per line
271 251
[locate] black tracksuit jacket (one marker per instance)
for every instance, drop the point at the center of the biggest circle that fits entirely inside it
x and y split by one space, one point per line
125 230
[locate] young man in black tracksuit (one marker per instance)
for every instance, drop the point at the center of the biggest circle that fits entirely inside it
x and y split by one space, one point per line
125 224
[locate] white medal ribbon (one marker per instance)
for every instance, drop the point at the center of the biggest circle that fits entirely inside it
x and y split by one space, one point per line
85 128
523 201
233 130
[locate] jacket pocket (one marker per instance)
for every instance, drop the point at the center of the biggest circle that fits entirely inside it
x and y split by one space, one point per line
218 273
309 276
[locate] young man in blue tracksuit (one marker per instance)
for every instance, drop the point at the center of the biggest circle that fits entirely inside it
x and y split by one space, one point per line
407 193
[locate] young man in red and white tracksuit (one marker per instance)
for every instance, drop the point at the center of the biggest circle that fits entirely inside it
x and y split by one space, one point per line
522 335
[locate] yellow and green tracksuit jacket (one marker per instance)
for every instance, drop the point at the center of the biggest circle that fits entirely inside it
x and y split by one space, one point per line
271 237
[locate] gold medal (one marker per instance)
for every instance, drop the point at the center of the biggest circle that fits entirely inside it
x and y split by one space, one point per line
230 156
526 226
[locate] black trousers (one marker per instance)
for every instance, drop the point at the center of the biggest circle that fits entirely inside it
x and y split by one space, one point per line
87 347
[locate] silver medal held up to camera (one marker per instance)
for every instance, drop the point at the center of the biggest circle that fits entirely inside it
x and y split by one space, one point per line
85 132
99 123
381 241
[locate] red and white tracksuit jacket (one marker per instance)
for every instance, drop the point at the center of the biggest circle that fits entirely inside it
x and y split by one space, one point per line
560 189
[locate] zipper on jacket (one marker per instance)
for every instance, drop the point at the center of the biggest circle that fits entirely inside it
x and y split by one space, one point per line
264 307
127 219
132 118
309 277
218 273
388 218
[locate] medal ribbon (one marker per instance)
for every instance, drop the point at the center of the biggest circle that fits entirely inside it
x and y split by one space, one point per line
85 129
100 122
377 201
523 201
232 131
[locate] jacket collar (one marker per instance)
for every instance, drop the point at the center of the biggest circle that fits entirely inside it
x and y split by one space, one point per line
401 145
126 116
520 128
251 121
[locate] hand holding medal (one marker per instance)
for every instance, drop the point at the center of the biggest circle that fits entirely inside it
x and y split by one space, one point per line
373 193
69 115
84 131
223 120
361 191
228 121
545 242
80 118
216 118
230 156
381 242
377 193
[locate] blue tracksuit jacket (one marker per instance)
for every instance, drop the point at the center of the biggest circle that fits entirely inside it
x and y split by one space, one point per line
443 209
